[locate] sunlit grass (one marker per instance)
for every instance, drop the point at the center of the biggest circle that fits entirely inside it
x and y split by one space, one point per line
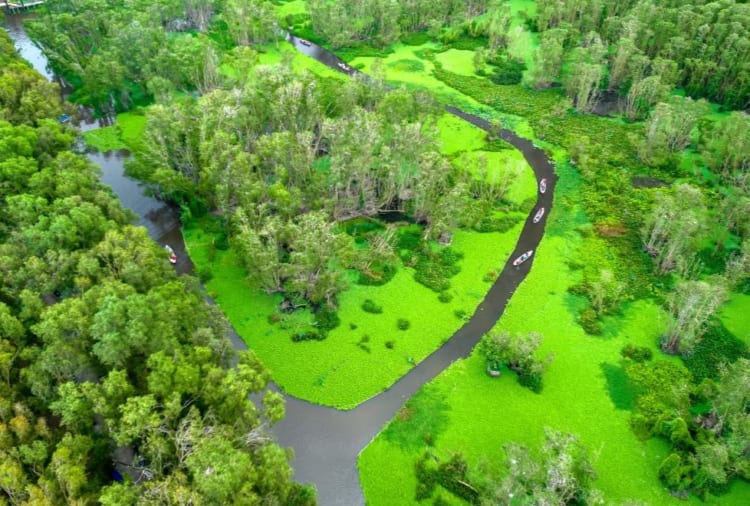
457 61
735 315
126 133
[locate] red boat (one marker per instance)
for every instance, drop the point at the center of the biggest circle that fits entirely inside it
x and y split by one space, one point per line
305 42
172 254
543 185
538 215
518 261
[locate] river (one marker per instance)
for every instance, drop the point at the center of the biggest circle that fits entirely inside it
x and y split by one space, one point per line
327 441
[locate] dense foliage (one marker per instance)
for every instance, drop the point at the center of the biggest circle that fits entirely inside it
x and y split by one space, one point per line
562 474
119 386
286 160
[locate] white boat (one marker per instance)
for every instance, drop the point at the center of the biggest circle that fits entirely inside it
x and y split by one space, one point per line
305 42
538 215
518 261
543 185
172 254
343 66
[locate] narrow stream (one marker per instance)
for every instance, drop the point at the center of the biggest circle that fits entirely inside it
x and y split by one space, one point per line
327 441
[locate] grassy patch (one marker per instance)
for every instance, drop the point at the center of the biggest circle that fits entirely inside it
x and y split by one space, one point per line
126 133
457 61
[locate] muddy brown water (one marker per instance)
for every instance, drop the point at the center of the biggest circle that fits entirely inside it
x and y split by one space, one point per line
327 441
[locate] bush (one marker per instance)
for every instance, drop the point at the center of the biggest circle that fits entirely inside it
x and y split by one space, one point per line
636 353
205 275
445 297
326 319
508 71
369 306
380 273
403 324
390 344
590 322
221 241
461 314
531 380
352 326
433 270
308 335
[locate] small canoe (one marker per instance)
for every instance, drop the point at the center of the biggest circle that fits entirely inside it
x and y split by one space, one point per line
518 261
539 214
543 185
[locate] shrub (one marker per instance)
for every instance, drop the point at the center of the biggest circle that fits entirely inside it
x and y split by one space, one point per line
326 319
590 322
369 306
445 297
403 324
390 344
379 274
353 326
489 277
308 335
434 269
205 275
461 314
636 353
508 71
221 241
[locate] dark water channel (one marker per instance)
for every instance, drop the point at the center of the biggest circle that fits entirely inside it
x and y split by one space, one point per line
327 441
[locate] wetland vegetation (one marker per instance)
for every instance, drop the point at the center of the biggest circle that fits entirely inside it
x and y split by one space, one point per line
347 226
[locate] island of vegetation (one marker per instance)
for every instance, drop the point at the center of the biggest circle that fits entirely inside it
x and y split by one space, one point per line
348 220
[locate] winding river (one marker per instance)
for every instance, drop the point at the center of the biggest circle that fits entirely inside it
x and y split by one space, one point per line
327 441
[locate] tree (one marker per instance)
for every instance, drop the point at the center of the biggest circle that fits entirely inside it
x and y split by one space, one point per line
670 126
674 227
691 306
517 353
561 475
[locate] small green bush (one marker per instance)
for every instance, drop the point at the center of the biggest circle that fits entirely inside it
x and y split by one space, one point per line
390 344
445 297
403 324
508 71
308 335
353 326
590 322
636 353
205 275
369 306
326 319
461 314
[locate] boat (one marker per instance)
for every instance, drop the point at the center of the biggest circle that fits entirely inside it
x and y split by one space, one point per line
538 215
172 254
343 66
543 185
518 261
305 42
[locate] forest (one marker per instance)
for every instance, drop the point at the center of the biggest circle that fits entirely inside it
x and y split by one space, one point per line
348 225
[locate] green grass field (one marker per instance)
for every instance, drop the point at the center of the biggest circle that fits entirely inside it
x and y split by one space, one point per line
126 133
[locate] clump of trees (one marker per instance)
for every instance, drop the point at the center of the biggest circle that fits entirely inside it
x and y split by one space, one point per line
561 474
119 385
707 426
517 353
